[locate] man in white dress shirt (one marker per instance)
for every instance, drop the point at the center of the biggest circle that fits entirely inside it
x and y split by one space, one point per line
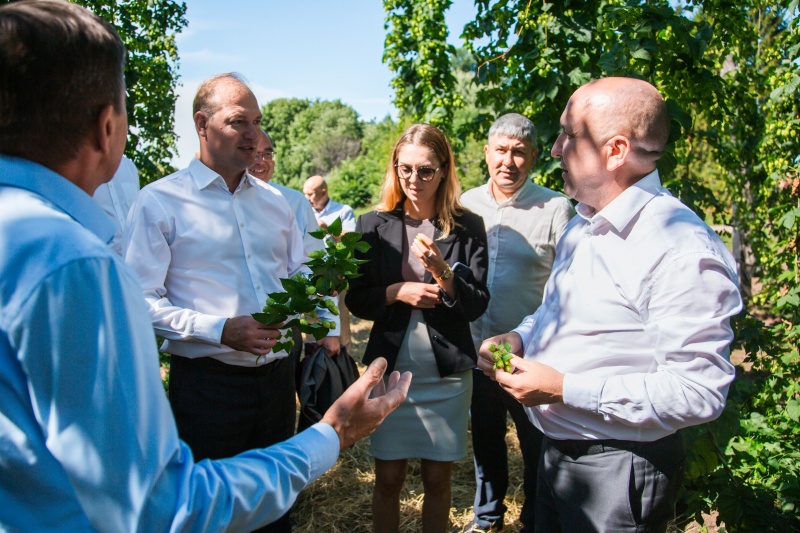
631 342
116 198
264 169
209 243
523 223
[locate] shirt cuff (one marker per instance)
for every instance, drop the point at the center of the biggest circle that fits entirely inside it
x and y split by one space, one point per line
208 328
582 392
321 442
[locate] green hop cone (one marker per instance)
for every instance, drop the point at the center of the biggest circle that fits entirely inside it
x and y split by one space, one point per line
303 322
316 254
310 289
492 347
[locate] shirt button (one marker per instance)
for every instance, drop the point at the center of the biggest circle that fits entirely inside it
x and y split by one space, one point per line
248 256
241 225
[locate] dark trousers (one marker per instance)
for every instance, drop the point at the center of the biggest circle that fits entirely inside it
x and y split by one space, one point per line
222 410
490 403
608 486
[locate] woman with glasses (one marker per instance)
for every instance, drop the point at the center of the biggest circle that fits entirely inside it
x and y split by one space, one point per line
421 312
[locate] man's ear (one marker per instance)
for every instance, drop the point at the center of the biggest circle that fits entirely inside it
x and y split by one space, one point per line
201 123
105 128
618 149
535 156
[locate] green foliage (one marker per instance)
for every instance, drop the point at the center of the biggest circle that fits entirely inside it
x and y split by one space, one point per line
310 137
304 294
416 50
357 181
730 73
148 28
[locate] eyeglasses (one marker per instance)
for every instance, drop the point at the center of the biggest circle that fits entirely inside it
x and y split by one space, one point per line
266 156
404 172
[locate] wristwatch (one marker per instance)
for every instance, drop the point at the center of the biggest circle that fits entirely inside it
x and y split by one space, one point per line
446 274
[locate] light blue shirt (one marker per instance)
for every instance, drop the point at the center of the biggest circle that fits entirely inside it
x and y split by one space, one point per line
334 210
87 439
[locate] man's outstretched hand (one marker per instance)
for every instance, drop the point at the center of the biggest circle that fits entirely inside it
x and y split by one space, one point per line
359 410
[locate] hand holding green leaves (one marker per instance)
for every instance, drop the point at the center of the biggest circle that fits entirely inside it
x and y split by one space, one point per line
304 294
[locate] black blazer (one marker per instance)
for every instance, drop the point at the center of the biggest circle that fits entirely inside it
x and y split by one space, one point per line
448 325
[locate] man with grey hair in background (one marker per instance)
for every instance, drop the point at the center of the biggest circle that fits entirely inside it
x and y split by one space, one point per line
87 438
523 223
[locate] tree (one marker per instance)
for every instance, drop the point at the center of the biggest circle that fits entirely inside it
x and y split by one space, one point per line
416 50
730 74
148 29
357 181
311 138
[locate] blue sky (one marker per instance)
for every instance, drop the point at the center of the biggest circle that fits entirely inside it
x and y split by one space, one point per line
301 49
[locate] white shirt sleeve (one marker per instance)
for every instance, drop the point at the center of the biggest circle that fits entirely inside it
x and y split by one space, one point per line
148 253
687 314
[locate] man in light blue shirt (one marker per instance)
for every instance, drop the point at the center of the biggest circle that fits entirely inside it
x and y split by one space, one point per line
88 441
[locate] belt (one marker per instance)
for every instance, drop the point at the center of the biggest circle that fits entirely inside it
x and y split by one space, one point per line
214 365
577 448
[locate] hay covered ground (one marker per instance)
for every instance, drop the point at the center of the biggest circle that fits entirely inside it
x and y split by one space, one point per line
340 501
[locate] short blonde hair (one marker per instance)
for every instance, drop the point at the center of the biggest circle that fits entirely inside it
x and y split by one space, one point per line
448 204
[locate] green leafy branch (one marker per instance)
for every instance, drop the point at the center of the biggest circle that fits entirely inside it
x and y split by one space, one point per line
304 296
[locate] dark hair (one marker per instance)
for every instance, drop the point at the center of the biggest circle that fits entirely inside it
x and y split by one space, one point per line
60 65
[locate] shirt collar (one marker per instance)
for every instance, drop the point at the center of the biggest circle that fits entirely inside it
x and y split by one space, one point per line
59 191
527 184
204 176
625 207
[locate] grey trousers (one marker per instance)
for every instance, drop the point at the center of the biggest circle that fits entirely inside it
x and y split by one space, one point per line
608 486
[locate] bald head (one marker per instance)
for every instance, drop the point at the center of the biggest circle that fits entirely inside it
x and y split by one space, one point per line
316 190
629 107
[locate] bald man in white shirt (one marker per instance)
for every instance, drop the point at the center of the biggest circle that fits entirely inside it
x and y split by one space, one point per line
209 243
631 342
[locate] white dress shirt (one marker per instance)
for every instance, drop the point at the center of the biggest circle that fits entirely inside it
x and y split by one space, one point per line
88 439
116 198
204 254
303 214
334 209
636 315
522 233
